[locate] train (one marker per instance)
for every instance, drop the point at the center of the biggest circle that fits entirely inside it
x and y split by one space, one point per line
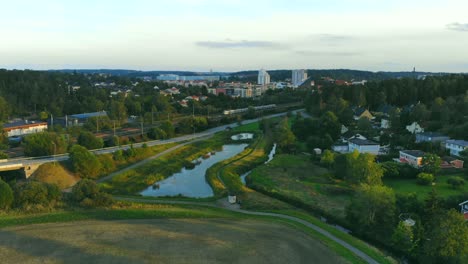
243 110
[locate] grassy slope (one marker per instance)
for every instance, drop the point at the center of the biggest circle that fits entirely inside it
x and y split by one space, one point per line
295 176
55 173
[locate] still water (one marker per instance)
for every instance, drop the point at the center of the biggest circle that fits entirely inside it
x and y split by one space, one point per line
192 183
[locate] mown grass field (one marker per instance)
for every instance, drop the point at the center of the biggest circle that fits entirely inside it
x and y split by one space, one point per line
60 233
405 186
297 177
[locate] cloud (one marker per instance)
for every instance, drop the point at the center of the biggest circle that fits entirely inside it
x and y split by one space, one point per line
229 43
327 53
457 26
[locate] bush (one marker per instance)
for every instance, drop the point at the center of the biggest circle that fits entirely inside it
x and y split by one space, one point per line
90 141
87 193
36 195
425 178
6 195
456 182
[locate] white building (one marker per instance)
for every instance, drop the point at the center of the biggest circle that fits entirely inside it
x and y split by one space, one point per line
415 128
456 146
24 128
363 146
263 77
411 157
168 77
298 77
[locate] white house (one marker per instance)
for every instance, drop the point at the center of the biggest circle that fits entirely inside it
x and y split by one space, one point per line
384 123
414 128
24 128
456 146
464 209
363 146
411 157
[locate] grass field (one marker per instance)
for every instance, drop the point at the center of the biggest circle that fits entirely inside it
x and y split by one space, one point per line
162 241
444 189
295 176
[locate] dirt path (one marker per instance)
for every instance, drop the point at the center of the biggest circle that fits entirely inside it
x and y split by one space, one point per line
236 208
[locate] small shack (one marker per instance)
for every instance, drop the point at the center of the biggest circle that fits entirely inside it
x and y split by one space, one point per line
232 199
464 209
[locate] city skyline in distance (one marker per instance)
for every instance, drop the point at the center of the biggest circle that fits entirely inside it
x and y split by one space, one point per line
235 35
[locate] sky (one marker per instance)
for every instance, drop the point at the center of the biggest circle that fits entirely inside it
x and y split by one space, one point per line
232 35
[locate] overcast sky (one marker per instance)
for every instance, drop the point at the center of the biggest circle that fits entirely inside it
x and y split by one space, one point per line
230 35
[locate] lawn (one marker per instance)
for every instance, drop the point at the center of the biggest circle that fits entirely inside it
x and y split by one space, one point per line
404 186
295 176
255 126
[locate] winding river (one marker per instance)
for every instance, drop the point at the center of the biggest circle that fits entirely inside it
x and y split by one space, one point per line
270 157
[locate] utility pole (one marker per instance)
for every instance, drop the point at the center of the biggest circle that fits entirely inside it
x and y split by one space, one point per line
141 126
51 120
97 124
193 118
114 127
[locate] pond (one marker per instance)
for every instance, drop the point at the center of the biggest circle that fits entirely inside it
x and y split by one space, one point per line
270 157
242 136
192 183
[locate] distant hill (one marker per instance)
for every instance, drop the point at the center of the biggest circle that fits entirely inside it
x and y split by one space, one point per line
134 73
341 74
276 75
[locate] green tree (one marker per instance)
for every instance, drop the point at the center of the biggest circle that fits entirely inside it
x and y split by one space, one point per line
168 128
6 195
284 136
5 109
329 125
44 144
403 238
84 163
328 158
372 211
448 242
157 133
90 141
431 163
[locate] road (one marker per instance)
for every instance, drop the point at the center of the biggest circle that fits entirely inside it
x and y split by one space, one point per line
223 203
21 162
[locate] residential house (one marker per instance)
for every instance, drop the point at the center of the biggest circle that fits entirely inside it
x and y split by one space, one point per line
341 147
363 146
362 113
464 209
430 137
456 146
415 128
384 123
411 157
22 128
450 162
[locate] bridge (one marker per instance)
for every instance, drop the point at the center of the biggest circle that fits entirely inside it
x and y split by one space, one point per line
30 165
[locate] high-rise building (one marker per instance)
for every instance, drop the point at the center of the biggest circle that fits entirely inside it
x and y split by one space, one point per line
263 77
298 77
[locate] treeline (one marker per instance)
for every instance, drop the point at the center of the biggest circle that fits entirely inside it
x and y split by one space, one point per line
436 103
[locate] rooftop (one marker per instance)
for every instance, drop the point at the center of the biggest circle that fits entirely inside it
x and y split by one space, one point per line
414 153
363 142
88 115
458 142
23 124
431 134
